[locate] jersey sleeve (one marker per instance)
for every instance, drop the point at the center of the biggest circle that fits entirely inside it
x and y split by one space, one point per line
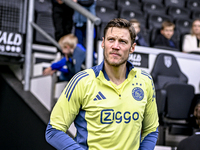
65 111
150 122
60 140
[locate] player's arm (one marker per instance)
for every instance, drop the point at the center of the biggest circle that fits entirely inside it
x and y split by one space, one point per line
60 140
150 122
60 120
64 113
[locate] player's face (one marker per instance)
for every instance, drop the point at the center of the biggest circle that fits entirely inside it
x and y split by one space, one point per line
117 46
168 32
196 27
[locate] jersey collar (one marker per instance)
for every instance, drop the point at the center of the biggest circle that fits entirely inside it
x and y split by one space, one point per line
100 67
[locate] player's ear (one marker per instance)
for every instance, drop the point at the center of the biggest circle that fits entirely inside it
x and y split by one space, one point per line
132 48
102 43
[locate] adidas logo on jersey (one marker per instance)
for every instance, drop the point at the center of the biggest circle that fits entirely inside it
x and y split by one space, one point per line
99 96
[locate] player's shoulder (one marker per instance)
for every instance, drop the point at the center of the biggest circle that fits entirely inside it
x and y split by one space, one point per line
143 74
83 76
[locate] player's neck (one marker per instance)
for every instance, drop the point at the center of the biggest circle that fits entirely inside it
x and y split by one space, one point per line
116 74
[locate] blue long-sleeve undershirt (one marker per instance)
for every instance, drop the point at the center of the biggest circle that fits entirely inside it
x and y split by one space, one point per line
60 140
149 141
63 141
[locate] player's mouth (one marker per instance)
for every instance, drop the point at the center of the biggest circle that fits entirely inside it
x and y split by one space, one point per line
115 54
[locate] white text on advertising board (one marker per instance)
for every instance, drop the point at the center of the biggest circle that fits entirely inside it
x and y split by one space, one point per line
10 42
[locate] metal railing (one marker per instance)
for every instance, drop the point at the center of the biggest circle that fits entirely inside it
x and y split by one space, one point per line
91 21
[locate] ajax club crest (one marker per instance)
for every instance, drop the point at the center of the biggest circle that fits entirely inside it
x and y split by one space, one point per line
138 93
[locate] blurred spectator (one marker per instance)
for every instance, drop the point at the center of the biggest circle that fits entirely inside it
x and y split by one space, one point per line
164 39
192 142
191 42
139 38
80 20
62 18
71 63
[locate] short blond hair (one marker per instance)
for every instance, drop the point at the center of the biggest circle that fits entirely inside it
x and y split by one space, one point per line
70 39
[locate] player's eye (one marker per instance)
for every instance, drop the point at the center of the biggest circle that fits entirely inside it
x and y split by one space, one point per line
111 39
123 41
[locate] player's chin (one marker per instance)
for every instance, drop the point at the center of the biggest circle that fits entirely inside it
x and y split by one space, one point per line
116 63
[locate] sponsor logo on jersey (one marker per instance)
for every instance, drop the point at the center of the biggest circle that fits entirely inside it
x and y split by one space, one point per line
99 96
109 116
138 93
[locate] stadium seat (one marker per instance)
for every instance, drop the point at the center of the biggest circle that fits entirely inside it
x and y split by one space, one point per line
146 34
195 14
178 12
183 25
100 30
128 4
193 5
111 3
155 20
105 14
179 3
43 6
133 14
152 7
152 1
174 96
154 33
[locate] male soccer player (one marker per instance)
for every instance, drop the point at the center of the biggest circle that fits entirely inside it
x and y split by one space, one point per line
112 104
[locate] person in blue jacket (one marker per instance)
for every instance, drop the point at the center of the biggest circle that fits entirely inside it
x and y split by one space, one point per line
71 63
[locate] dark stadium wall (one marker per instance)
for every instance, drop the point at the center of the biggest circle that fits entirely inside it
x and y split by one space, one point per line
21 128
